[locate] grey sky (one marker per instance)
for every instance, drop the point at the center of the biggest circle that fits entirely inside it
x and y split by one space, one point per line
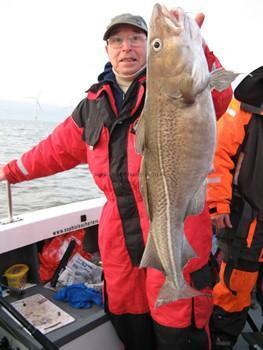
53 49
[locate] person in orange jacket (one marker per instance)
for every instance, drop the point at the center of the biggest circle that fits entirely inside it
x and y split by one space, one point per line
235 200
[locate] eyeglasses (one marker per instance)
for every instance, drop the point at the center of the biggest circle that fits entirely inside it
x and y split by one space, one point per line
136 40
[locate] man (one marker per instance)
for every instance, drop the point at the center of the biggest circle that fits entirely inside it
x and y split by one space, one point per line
235 198
100 133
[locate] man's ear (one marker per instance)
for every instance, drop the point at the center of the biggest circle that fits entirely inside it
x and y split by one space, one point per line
199 18
106 49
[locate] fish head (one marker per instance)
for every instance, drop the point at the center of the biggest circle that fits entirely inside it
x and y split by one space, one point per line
174 43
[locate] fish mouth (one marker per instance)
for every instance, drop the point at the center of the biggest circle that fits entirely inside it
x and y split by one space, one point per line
175 16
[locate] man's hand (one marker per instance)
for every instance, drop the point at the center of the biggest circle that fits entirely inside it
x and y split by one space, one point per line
221 221
199 18
2 174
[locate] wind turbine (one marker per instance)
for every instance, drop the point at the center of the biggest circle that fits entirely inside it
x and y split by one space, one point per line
38 107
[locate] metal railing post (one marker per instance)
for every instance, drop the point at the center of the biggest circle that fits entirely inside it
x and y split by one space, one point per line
9 202
10 219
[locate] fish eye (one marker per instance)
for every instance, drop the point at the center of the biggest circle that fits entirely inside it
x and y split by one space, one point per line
157 44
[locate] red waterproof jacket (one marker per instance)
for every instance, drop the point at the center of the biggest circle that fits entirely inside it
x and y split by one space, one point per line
102 136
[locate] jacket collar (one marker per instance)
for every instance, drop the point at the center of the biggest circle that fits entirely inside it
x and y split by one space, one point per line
107 79
107 82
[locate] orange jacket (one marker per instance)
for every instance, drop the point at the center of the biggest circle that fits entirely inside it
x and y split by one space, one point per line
230 135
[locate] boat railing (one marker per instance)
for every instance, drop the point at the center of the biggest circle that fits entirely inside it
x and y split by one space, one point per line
10 218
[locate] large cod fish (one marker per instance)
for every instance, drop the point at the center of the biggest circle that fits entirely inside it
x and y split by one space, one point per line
176 135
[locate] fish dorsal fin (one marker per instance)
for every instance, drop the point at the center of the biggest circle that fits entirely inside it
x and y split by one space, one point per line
220 79
139 129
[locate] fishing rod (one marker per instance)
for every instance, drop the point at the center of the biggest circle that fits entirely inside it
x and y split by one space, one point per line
36 334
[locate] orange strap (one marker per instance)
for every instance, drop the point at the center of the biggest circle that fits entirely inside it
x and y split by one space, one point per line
251 232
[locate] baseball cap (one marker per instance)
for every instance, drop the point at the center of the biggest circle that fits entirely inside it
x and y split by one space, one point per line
125 18
250 90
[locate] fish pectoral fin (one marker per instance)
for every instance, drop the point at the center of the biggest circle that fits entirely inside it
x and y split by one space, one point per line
150 256
140 135
220 79
186 88
169 293
197 203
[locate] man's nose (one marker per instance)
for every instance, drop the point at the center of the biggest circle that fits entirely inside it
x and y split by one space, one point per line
126 45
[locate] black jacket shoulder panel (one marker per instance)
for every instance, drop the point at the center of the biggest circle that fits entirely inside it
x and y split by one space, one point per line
80 112
85 116
92 115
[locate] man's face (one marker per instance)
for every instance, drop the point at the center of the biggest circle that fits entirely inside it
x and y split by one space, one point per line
126 49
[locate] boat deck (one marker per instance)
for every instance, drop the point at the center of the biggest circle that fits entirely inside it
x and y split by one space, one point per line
19 244
256 314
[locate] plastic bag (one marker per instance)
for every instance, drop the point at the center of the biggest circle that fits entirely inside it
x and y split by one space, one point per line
54 249
80 270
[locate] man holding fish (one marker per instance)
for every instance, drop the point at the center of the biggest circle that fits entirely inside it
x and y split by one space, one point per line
168 305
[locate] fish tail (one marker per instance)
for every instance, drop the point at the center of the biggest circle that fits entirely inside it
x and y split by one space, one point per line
169 293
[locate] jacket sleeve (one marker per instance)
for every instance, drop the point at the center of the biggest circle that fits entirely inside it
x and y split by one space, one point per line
63 149
230 135
221 99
